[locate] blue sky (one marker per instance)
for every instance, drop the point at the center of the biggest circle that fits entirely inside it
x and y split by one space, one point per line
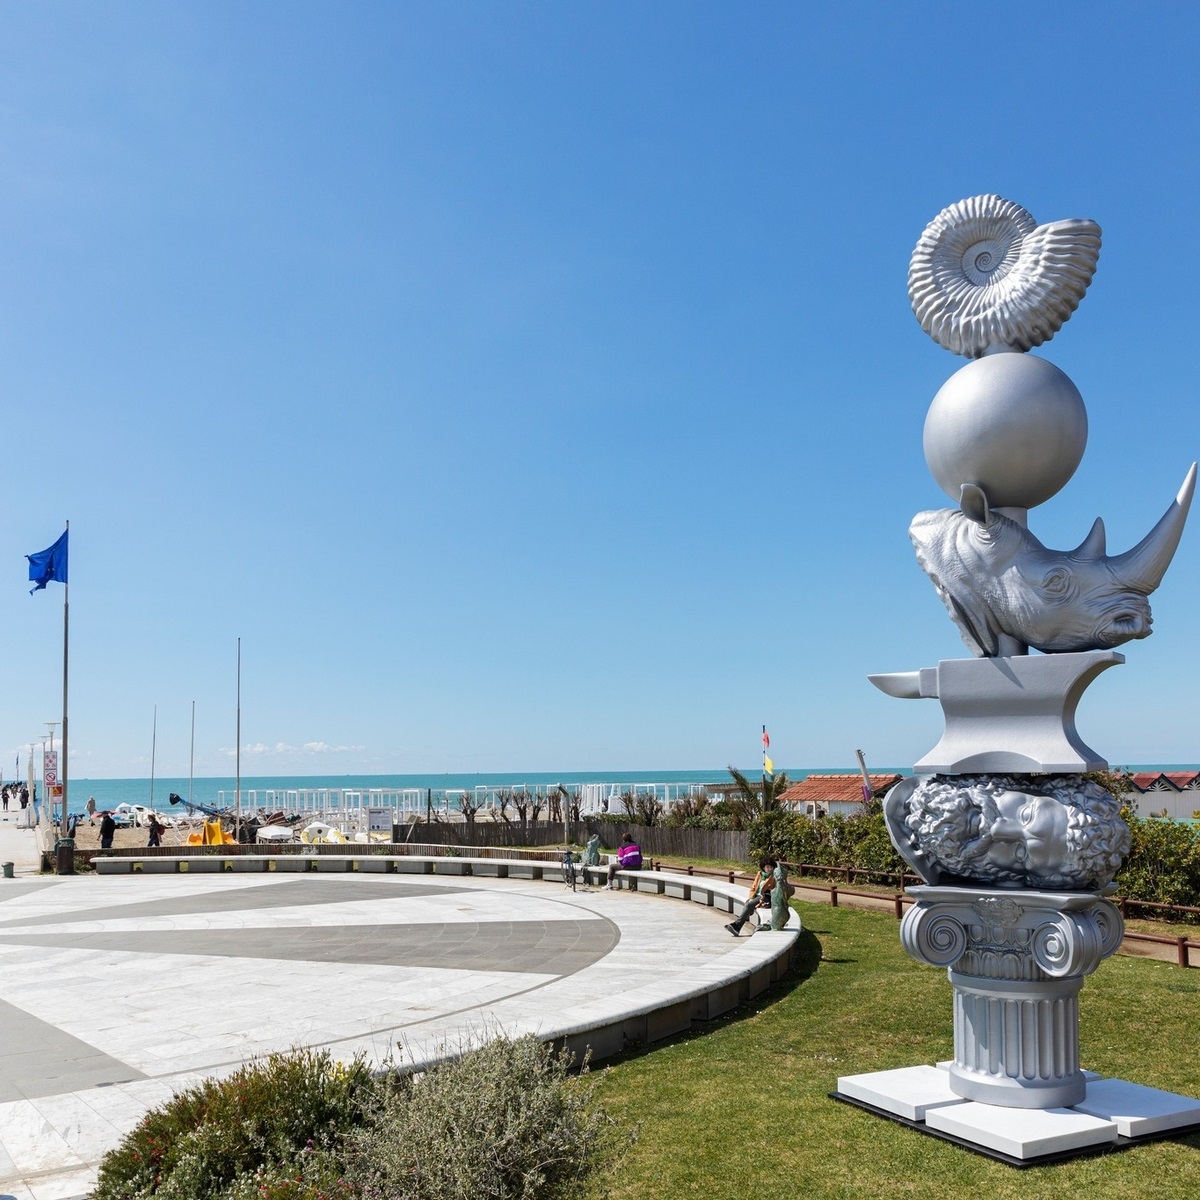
533 386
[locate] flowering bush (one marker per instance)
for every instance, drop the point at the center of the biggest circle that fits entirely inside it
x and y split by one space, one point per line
269 1116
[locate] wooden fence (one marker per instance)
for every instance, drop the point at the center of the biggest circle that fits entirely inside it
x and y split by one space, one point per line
725 844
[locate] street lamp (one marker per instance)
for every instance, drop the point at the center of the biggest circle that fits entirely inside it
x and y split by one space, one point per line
36 810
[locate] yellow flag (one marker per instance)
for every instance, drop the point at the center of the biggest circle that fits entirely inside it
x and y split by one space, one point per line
768 765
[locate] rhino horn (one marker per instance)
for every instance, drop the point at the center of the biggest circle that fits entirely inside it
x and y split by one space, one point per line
1143 567
1092 546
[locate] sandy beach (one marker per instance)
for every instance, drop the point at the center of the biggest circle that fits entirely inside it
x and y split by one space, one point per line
87 836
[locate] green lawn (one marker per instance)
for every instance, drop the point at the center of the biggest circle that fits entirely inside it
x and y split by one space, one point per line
742 1109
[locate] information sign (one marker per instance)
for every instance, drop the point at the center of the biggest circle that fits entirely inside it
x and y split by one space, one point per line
379 820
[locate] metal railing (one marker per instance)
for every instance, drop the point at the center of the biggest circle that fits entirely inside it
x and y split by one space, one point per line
334 805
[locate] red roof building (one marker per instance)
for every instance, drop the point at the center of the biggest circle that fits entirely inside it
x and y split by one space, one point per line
1165 781
824 794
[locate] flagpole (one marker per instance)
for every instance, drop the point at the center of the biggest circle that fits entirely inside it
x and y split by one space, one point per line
766 741
66 643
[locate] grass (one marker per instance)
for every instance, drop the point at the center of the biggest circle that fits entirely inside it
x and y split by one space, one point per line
742 1108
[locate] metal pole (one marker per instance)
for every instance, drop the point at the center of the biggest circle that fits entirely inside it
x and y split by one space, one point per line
153 753
766 741
238 791
66 644
192 754
52 726
862 766
44 808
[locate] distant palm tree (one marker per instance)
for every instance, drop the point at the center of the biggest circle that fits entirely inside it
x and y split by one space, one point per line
761 796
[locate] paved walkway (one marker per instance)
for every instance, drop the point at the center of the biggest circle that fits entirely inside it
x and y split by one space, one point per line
117 991
19 845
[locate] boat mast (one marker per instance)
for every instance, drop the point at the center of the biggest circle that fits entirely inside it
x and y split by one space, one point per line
238 758
192 754
153 750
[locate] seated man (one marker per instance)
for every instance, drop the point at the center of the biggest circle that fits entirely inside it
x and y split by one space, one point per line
760 894
629 858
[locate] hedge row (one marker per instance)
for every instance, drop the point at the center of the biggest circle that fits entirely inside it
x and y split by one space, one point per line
1163 865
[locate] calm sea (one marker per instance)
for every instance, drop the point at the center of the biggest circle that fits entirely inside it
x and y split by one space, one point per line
218 791
208 791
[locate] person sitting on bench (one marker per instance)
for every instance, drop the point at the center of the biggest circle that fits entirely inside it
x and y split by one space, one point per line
760 894
629 858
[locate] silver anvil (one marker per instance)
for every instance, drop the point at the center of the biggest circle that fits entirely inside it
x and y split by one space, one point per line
1014 715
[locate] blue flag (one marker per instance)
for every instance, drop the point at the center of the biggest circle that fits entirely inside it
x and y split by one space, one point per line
49 565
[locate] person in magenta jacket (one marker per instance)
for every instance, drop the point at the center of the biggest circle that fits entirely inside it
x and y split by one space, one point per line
629 858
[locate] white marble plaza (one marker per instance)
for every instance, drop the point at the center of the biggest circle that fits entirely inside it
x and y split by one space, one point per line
117 991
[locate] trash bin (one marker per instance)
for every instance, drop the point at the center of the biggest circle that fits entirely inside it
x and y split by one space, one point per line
64 856
8 870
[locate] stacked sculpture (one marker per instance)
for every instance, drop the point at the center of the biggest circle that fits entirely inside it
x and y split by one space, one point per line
1016 848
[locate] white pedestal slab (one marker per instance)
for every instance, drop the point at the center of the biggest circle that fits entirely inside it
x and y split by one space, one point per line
908 1092
1022 1132
1138 1111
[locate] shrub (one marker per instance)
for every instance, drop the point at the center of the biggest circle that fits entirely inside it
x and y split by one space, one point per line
506 1121
1163 863
264 1117
313 1175
703 813
774 835
860 841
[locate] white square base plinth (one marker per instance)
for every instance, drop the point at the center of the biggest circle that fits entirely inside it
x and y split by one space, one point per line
1114 1113
1138 1111
1022 1132
908 1092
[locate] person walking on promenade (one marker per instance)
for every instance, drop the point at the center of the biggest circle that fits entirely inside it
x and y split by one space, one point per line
760 894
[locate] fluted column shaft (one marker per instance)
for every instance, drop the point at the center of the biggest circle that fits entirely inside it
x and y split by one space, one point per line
1017 961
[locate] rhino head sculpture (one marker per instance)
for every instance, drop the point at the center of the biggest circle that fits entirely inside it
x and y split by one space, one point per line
995 577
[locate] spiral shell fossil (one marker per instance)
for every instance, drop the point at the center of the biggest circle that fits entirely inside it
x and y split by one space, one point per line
985 275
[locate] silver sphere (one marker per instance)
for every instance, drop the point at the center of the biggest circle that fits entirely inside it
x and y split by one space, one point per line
1009 423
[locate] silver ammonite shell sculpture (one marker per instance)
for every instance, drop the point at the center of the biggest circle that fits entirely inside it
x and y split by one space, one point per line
986 276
